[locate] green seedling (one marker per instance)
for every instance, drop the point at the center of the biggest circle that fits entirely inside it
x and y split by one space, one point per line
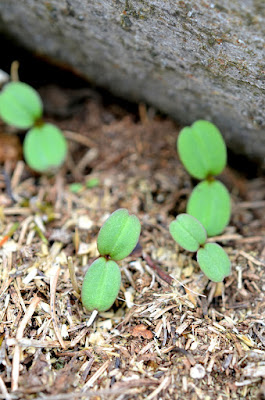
119 235
202 149
20 105
76 187
44 146
191 235
203 152
210 204
91 183
116 240
101 285
214 262
188 232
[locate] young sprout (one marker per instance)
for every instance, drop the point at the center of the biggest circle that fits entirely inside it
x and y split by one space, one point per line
76 187
203 152
202 149
116 240
44 146
210 204
190 234
91 183
214 262
20 105
119 235
101 285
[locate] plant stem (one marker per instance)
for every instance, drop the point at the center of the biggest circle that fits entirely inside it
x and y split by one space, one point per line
73 275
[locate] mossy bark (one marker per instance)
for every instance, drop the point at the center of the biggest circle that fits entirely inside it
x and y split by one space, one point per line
196 59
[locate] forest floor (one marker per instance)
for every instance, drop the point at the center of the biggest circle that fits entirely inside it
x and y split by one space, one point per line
171 334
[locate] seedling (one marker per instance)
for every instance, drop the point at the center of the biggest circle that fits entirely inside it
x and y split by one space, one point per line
190 234
119 235
210 204
20 105
76 187
44 146
214 262
91 183
116 240
202 149
203 152
101 285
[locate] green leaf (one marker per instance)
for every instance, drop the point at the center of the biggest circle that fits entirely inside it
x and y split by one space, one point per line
214 262
202 149
91 183
119 235
188 232
101 285
210 204
20 105
44 148
76 187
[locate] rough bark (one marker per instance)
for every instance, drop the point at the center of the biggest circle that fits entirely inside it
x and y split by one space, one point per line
190 59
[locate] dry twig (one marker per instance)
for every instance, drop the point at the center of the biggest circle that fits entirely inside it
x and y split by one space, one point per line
53 285
19 335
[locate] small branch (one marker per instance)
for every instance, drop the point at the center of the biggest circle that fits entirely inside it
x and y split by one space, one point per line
92 318
96 375
8 186
53 285
163 275
4 389
73 275
19 335
14 71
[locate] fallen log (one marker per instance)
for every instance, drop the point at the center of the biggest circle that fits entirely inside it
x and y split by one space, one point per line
196 59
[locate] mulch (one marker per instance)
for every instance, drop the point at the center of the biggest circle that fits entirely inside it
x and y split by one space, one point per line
171 334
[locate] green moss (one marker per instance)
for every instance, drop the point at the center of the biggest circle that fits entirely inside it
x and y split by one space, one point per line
143 12
211 41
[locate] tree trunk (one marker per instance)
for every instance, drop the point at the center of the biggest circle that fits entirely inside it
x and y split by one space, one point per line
196 59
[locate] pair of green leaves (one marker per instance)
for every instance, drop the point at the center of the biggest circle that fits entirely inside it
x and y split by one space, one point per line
44 146
190 234
202 151
116 240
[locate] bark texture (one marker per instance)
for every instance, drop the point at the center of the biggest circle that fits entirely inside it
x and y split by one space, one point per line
190 59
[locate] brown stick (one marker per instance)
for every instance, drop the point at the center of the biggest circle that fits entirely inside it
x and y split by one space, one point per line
163 275
53 285
19 335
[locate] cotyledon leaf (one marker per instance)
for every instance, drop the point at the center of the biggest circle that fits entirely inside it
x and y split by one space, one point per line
210 204
101 285
188 232
202 149
20 105
119 235
214 262
44 147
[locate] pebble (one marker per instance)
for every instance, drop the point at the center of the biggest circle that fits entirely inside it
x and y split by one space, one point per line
4 77
197 372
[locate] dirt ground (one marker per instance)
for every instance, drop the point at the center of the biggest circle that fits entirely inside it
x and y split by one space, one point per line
171 333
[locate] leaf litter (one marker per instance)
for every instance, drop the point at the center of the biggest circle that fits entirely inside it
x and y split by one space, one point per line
171 333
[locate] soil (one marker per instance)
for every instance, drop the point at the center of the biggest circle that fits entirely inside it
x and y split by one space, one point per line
171 334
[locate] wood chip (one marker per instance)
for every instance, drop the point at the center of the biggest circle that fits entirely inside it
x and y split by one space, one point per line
53 285
16 357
